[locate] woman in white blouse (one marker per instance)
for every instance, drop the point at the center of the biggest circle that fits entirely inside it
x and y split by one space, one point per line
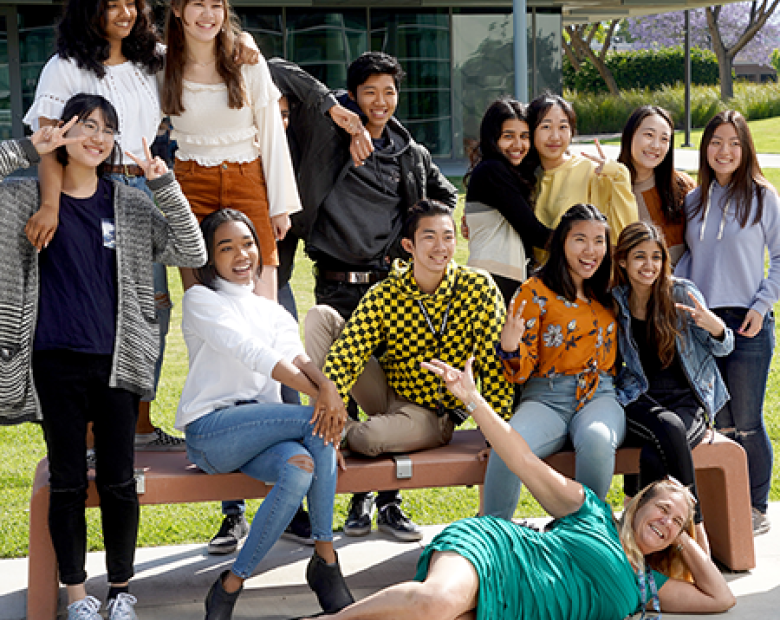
224 117
241 347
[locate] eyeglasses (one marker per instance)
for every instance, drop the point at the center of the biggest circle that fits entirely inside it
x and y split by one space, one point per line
91 129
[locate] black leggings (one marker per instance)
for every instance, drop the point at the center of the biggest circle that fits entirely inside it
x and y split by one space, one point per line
666 441
73 390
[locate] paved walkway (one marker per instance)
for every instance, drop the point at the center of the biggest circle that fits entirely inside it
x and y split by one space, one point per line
171 582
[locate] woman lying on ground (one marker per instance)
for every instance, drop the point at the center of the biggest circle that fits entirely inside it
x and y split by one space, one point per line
669 384
587 566
241 347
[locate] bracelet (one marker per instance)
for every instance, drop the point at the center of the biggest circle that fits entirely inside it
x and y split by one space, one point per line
471 406
507 355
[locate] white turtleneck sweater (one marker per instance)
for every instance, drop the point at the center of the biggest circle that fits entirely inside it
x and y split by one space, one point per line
235 339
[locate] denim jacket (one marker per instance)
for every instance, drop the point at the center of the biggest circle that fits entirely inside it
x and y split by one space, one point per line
695 346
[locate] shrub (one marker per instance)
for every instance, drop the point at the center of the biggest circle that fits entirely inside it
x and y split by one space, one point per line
644 69
607 114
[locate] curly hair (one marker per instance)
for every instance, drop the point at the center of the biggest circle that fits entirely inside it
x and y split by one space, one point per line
81 37
207 274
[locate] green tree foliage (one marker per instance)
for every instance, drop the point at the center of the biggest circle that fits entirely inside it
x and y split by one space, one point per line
643 69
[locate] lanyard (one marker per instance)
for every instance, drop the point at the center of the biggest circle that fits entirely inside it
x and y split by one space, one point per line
438 335
646 578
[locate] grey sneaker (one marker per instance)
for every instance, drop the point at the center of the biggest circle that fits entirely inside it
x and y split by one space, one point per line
761 523
159 441
121 607
85 609
392 520
234 529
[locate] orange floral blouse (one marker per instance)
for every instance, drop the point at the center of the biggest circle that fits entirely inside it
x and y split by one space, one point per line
562 338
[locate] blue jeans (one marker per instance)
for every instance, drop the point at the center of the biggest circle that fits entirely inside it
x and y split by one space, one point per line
746 371
259 440
162 297
545 418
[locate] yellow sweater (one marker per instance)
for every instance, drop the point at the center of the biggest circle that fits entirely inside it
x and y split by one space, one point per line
576 181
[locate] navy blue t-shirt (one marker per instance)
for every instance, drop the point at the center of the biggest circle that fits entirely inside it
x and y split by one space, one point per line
77 305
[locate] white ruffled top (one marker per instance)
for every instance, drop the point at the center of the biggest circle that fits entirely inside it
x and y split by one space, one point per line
129 88
210 132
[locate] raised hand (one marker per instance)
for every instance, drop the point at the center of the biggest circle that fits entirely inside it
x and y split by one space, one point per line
706 319
599 159
153 167
459 382
514 328
48 138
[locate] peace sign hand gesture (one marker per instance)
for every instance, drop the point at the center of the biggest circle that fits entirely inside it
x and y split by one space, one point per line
50 137
514 328
600 159
153 167
703 317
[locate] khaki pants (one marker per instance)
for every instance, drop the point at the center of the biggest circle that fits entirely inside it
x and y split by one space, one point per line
394 424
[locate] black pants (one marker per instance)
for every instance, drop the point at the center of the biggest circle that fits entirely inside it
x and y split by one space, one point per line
73 390
666 439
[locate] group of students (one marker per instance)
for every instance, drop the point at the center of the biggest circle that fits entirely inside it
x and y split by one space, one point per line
82 332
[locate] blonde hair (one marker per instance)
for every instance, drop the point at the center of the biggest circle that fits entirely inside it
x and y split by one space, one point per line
668 561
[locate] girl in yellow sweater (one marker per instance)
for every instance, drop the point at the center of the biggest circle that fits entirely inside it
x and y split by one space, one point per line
565 179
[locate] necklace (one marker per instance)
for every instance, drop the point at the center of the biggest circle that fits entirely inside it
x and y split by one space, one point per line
202 64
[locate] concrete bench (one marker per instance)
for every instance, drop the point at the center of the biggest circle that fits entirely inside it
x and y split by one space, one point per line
721 471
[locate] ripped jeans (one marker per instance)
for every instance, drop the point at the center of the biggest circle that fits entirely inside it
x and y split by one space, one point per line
73 390
746 372
272 442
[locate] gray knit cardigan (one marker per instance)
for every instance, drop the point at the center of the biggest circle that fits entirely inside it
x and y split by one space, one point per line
143 235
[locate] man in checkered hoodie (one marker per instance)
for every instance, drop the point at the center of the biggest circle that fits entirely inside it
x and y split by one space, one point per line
428 308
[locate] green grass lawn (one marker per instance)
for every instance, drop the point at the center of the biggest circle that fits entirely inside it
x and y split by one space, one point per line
766 136
22 447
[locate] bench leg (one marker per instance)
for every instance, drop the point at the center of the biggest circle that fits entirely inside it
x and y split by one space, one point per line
725 504
43 579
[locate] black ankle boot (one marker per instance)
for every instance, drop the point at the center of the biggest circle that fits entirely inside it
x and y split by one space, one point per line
328 584
219 604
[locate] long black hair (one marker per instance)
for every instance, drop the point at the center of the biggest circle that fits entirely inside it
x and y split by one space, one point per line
555 272
83 105
490 129
671 188
207 274
81 37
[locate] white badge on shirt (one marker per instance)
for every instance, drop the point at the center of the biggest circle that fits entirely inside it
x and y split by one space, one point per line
109 233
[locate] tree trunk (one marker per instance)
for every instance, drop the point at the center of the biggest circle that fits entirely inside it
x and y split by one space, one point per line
581 44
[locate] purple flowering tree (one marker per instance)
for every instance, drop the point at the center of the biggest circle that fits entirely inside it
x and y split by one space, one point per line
743 31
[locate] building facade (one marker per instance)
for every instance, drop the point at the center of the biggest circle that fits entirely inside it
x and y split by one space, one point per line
457 59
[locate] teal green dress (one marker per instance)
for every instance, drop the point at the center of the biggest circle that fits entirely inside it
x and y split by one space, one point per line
576 571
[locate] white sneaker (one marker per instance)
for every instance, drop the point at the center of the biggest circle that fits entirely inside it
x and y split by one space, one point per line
761 523
121 607
85 609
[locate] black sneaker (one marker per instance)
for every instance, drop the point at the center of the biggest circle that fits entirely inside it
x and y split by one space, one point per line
392 520
361 510
233 530
299 528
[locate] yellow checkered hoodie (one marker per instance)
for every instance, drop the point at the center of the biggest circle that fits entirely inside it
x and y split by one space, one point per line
391 314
